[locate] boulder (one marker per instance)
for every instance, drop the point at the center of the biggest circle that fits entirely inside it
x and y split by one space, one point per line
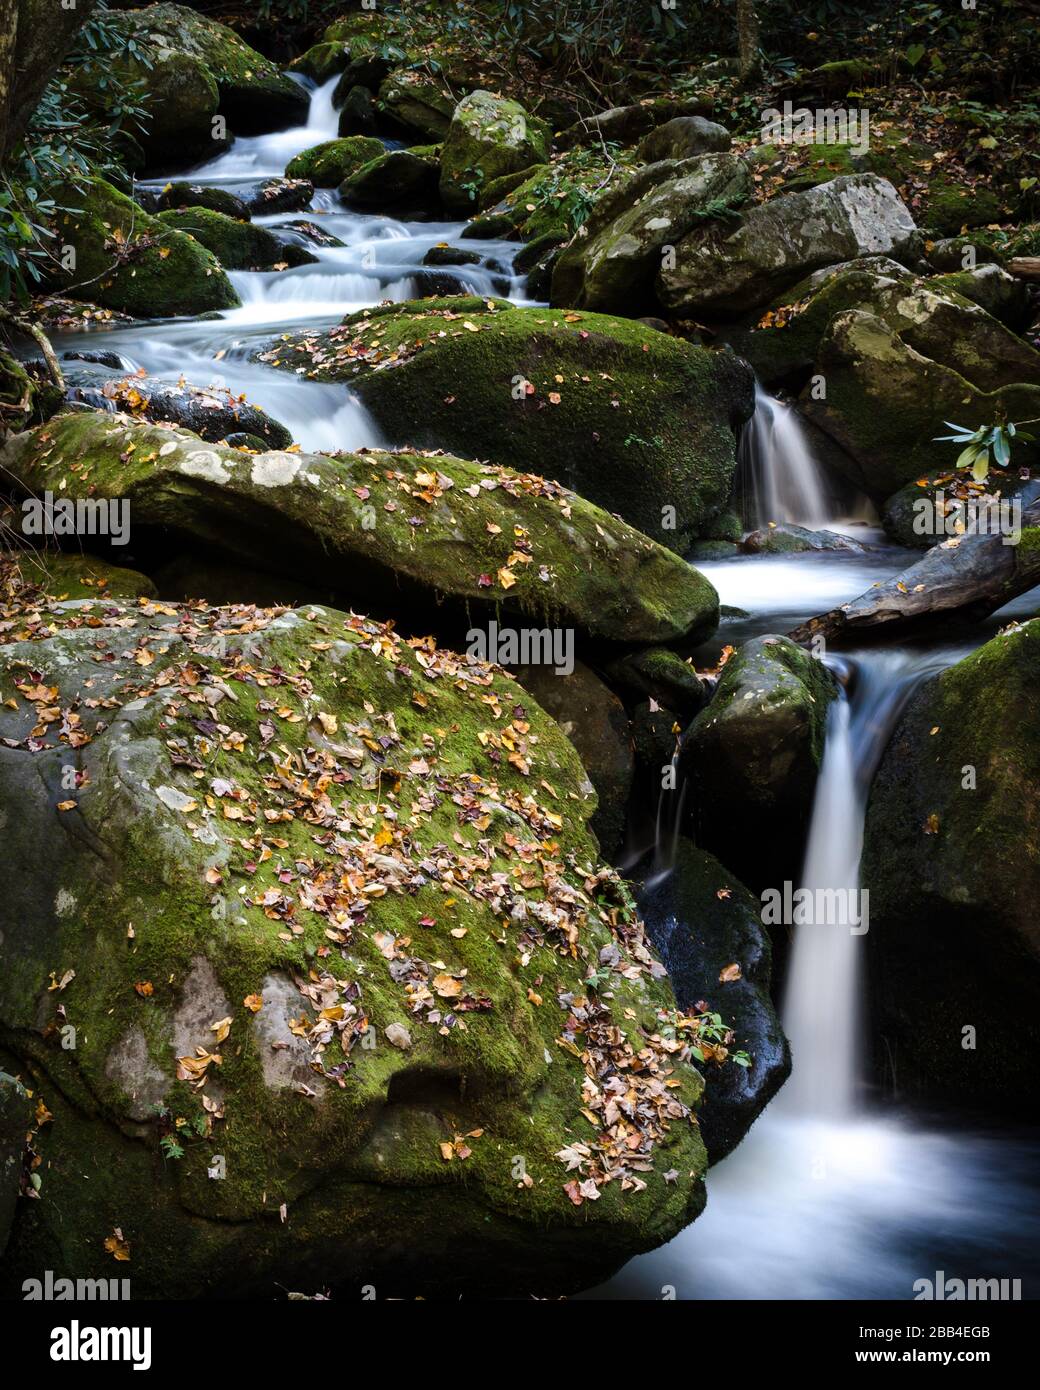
782 240
385 980
413 105
708 930
662 674
752 756
625 125
951 863
322 61
329 163
489 137
202 195
132 262
237 245
683 138
213 413
415 529
278 195
253 93
60 576
610 266
640 422
594 720
395 179
952 499
357 115
788 539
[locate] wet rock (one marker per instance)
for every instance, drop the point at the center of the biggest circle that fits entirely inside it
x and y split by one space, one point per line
74 575
230 971
488 137
352 522
278 195
398 178
450 255
358 113
627 124
202 195
322 61
413 105
943 504
213 413
595 721
752 756
16 1120
329 163
950 863
662 674
633 403
787 539
237 245
132 262
784 239
704 922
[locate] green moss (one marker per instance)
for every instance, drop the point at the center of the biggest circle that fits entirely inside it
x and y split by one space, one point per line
329 163
64 576
133 262
237 245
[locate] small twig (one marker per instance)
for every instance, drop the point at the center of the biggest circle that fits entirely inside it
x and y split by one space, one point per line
43 342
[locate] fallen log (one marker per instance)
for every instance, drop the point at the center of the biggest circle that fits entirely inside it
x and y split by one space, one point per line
1025 267
968 576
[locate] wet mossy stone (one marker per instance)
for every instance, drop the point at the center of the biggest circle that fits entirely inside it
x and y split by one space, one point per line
450 255
663 674
329 163
404 532
951 859
778 242
322 60
489 137
911 524
410 101
991 288
133 262
704 922
357 115
253 93
376 964
641 423
278 195
752 756
394 178
237 245
200 195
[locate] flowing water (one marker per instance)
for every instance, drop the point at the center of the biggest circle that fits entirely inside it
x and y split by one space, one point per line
824 1199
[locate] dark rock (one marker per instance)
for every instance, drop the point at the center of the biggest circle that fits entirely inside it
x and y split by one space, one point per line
202 195
278 195
682 138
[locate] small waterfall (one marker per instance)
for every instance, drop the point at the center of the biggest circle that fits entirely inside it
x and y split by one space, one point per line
782 480
265 156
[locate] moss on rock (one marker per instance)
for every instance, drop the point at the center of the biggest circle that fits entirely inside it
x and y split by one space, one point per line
329 163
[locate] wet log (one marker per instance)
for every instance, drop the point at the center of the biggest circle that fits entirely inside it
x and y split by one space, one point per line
1025 267
966 577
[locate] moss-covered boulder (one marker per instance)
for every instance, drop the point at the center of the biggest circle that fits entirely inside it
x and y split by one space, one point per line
127 260
611 265
488 138
322 60
351 993
886 402
708 930
640 422
329 163
778 242
253 93
181 194
237 245
951 861
411 103
683 138
408 178
402 532
752 756
943 504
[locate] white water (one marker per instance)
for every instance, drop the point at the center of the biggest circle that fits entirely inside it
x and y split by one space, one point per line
265 156
783 481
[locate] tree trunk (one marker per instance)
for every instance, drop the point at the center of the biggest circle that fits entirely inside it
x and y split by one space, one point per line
35 36
967 578
747 38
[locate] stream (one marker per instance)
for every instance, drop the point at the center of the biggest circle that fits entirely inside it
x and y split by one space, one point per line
833 1194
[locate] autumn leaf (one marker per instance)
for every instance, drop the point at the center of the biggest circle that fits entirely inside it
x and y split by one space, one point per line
729 973
117 1246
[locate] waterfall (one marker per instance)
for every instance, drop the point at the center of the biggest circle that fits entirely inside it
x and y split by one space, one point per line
265 156
783 482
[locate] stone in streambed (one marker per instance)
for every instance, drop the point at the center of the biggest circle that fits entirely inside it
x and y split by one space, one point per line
358 763
788 539
201 195
638 421
951 863
402 530
489 136
752 756
237 245
398 178
704 923
278 195
329 163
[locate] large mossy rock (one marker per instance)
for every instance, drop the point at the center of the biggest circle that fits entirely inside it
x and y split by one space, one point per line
398 178
779 242
72 575
354 1002
611 264
704 922
489 138
752 756
952 864
414 105
251 91
395 531
329 163
637 421
133 262
237 245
